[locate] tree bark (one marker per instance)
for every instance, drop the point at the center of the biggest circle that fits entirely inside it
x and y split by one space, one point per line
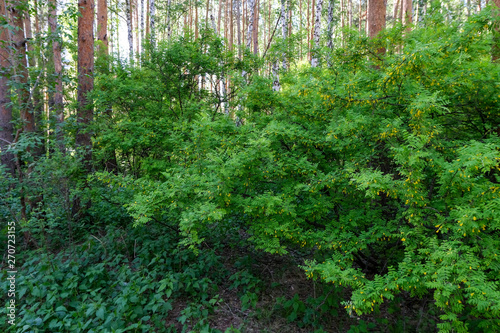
495 52
19 41
152 11
376 17
251 4
317 32
102 27
85 77
284 29
256 28
56 51
128 13
407 13
6 135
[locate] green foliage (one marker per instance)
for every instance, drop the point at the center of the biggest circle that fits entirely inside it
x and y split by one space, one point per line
387 167
121 280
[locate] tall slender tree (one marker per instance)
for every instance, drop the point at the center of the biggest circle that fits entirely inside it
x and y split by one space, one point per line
85 77
317 32
128 13
6 135
376 19
17 9
102 27
56 51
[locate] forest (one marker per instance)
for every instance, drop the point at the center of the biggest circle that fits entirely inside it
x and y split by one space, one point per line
250 166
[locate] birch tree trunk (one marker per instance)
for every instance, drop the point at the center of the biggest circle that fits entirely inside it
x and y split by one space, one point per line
56 50
330 28
251 4
317 32
284 29
128 13
222 80
142 21
6 135
85 77
169 27
276 82
152 10
256 28
331 7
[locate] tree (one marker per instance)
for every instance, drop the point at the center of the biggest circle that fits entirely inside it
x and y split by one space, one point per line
376 19
317 32
128 11
85 77
6 135
56 52
102 27
496 35
152 14
17 9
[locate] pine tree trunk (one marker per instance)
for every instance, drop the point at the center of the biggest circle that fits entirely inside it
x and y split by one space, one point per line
407 13
376 17
85 77
395 12
238 25
102 27
6 135
317 32
19 41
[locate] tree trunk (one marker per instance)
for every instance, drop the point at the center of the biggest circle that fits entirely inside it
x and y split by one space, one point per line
128 13
317 32
169 25
56 51
148 32
395 12
495 52
256 28
376 17
251 4
85 77
102 27
142 21
19 41
237 3
152 10
284 29
330 28
6 135
276 82
407 13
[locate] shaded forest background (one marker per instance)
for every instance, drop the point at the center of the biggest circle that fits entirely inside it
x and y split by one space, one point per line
251 166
